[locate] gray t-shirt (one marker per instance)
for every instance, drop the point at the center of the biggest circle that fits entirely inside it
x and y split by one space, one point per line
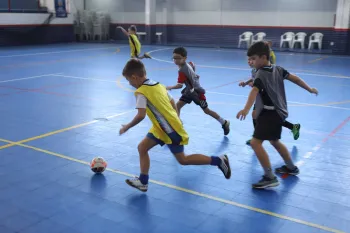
191 80
253 73
270 82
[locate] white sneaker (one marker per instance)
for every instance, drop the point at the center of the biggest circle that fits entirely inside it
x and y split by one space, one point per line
136 183
225 166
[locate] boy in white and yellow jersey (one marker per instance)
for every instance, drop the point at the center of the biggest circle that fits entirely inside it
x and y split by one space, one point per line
153 100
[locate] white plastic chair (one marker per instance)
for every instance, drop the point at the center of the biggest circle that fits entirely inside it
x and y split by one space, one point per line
260 36
299 38
245 37
316 38
287 37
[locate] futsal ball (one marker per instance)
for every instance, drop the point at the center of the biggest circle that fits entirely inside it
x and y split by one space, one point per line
98 165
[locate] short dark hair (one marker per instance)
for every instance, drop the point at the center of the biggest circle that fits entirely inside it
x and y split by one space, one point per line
133 28
260 48
180 50
134 67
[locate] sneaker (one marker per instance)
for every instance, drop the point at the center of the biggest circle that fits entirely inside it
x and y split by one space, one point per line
285 170
225 166
226 127
266 182
192 65
296 131
146 55
136 183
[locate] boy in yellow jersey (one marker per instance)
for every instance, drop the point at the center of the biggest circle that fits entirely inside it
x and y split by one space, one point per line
153 99
135 45
272 53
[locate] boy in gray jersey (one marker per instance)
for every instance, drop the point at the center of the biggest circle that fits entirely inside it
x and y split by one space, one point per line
271 112
295 128
193 90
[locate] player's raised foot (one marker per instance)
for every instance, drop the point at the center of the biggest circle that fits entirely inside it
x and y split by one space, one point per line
266 182
226 127
192 65
136 183
296 131
285 170
225 166
146 55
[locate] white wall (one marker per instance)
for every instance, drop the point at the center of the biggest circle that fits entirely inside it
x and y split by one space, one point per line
38 19
298 13
343 14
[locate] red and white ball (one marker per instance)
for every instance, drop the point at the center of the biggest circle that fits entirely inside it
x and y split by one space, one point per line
98 165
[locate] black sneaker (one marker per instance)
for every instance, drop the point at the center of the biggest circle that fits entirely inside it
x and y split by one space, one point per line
266 182
285 170
226 127
225 166
146 55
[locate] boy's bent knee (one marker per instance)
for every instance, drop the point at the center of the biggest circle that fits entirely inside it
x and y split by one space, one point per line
142 148
255 142
275 143
181 158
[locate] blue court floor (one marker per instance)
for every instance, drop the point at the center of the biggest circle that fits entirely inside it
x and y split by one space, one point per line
62 105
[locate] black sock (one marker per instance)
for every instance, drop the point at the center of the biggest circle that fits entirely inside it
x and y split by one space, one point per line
288 125
254 122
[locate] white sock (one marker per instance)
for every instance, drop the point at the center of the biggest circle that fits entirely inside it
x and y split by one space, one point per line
221 120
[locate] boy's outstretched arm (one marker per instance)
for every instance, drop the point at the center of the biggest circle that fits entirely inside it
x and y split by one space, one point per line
298 81
123 30
177 86
251 99
243 84
141 114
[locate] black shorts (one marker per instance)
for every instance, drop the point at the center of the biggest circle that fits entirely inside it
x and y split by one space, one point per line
198 99
268 126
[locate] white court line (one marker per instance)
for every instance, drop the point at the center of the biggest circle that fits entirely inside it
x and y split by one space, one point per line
212 92
247 69
292 102
32 77
76 77
282 53
55 52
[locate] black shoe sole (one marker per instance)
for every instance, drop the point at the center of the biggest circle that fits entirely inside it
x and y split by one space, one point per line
266 186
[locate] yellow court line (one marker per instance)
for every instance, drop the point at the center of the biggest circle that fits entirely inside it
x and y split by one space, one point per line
210 197
60 131
318 59
121 86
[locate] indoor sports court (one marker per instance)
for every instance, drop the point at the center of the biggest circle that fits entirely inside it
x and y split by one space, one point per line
64 100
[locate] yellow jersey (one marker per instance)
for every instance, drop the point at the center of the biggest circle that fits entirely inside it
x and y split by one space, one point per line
135 45
161 112
272 57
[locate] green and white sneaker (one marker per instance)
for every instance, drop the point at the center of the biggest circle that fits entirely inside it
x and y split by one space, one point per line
296 131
